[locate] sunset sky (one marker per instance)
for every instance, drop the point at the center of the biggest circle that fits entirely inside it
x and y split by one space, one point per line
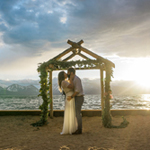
34 31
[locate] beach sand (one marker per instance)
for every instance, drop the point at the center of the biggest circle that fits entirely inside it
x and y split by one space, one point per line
16 133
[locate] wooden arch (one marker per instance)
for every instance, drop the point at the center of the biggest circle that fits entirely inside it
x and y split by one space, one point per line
77 49
55 63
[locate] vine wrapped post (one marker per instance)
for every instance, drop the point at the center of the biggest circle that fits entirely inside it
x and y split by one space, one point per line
51 94
106 112
102 88
43 93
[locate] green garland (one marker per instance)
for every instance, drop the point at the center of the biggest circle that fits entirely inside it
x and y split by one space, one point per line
45 96
62 65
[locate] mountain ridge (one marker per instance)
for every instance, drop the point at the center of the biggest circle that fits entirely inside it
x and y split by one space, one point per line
26 87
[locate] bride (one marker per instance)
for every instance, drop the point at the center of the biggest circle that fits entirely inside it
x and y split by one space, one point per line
70 122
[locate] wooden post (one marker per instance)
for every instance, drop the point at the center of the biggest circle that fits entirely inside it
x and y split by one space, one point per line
102 88
51 95
106 114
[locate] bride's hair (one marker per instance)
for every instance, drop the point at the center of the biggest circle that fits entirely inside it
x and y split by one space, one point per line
61 77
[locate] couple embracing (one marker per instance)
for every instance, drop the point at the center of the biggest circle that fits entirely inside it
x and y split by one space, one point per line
74 99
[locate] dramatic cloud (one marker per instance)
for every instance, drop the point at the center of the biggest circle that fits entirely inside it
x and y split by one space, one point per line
30 28
111 26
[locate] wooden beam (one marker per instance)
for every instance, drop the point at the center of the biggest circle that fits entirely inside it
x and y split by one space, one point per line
83 56
96 56
80 42
51 95
63 53
86 68
69 57
90 53
74 44
102 88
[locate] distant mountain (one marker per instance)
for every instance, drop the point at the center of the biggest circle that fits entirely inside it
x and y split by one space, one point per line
16 89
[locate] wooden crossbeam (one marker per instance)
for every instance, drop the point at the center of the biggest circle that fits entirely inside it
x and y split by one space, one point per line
74 44
85 68
90 53
63 53
69 57
83 56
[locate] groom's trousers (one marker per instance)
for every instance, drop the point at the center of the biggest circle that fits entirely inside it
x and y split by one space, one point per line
78 104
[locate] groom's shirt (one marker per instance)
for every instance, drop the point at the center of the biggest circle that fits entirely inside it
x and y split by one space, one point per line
78 86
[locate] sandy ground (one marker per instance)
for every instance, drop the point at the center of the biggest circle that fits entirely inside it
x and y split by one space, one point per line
16 133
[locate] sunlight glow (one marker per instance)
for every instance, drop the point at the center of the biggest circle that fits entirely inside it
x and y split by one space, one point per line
141 72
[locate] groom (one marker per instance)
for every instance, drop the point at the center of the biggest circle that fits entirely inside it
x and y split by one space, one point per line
79 98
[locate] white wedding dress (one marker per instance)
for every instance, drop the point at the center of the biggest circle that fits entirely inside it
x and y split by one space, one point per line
70 121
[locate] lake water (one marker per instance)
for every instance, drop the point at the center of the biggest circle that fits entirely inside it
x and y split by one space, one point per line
141 101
